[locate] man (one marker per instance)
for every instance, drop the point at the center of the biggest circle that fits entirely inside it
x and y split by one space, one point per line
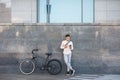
67 47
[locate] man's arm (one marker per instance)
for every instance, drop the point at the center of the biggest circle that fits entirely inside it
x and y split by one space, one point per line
62 45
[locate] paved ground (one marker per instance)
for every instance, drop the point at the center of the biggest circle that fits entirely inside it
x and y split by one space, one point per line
45 76
94 77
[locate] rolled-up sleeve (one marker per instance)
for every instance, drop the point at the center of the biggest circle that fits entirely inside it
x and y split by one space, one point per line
62 45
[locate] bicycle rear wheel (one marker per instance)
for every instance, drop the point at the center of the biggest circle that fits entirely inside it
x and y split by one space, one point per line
54 67
27 66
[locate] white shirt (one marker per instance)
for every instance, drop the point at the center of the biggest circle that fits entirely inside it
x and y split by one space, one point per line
66 50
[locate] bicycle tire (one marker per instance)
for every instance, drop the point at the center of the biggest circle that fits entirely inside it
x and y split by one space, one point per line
28 64
54 67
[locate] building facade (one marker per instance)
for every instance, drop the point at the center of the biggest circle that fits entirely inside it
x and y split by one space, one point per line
59 11
96 45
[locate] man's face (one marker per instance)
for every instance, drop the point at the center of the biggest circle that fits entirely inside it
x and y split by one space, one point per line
68 38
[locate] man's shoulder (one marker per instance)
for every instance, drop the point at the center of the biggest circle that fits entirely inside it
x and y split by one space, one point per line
64 41
71 42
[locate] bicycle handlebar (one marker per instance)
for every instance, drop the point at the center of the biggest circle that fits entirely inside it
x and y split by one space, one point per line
35 50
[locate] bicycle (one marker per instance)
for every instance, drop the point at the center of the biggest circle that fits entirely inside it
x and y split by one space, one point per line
53 66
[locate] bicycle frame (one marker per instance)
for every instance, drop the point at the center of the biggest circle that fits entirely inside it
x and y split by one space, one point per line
44 66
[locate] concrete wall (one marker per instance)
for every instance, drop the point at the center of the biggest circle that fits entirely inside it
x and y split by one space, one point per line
96 46
107 11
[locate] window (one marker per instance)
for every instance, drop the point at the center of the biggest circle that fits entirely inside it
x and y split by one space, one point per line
88 11
41 11
5 11
61 11
13 11
66 11
23 13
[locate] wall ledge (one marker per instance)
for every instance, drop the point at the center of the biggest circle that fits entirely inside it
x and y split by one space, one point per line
60 24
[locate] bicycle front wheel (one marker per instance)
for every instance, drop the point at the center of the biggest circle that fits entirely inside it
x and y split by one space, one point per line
54 67
27 66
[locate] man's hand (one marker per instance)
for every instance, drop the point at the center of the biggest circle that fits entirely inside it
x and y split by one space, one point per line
70 47
65 46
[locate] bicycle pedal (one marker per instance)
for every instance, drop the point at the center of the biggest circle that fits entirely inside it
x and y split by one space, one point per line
42 68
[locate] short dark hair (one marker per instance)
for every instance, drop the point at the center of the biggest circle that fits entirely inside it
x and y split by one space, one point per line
67 35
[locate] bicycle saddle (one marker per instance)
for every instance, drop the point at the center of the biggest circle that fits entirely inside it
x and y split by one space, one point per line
48 54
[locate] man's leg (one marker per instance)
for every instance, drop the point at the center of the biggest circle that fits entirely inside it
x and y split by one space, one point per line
71 69
66 60
69 61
